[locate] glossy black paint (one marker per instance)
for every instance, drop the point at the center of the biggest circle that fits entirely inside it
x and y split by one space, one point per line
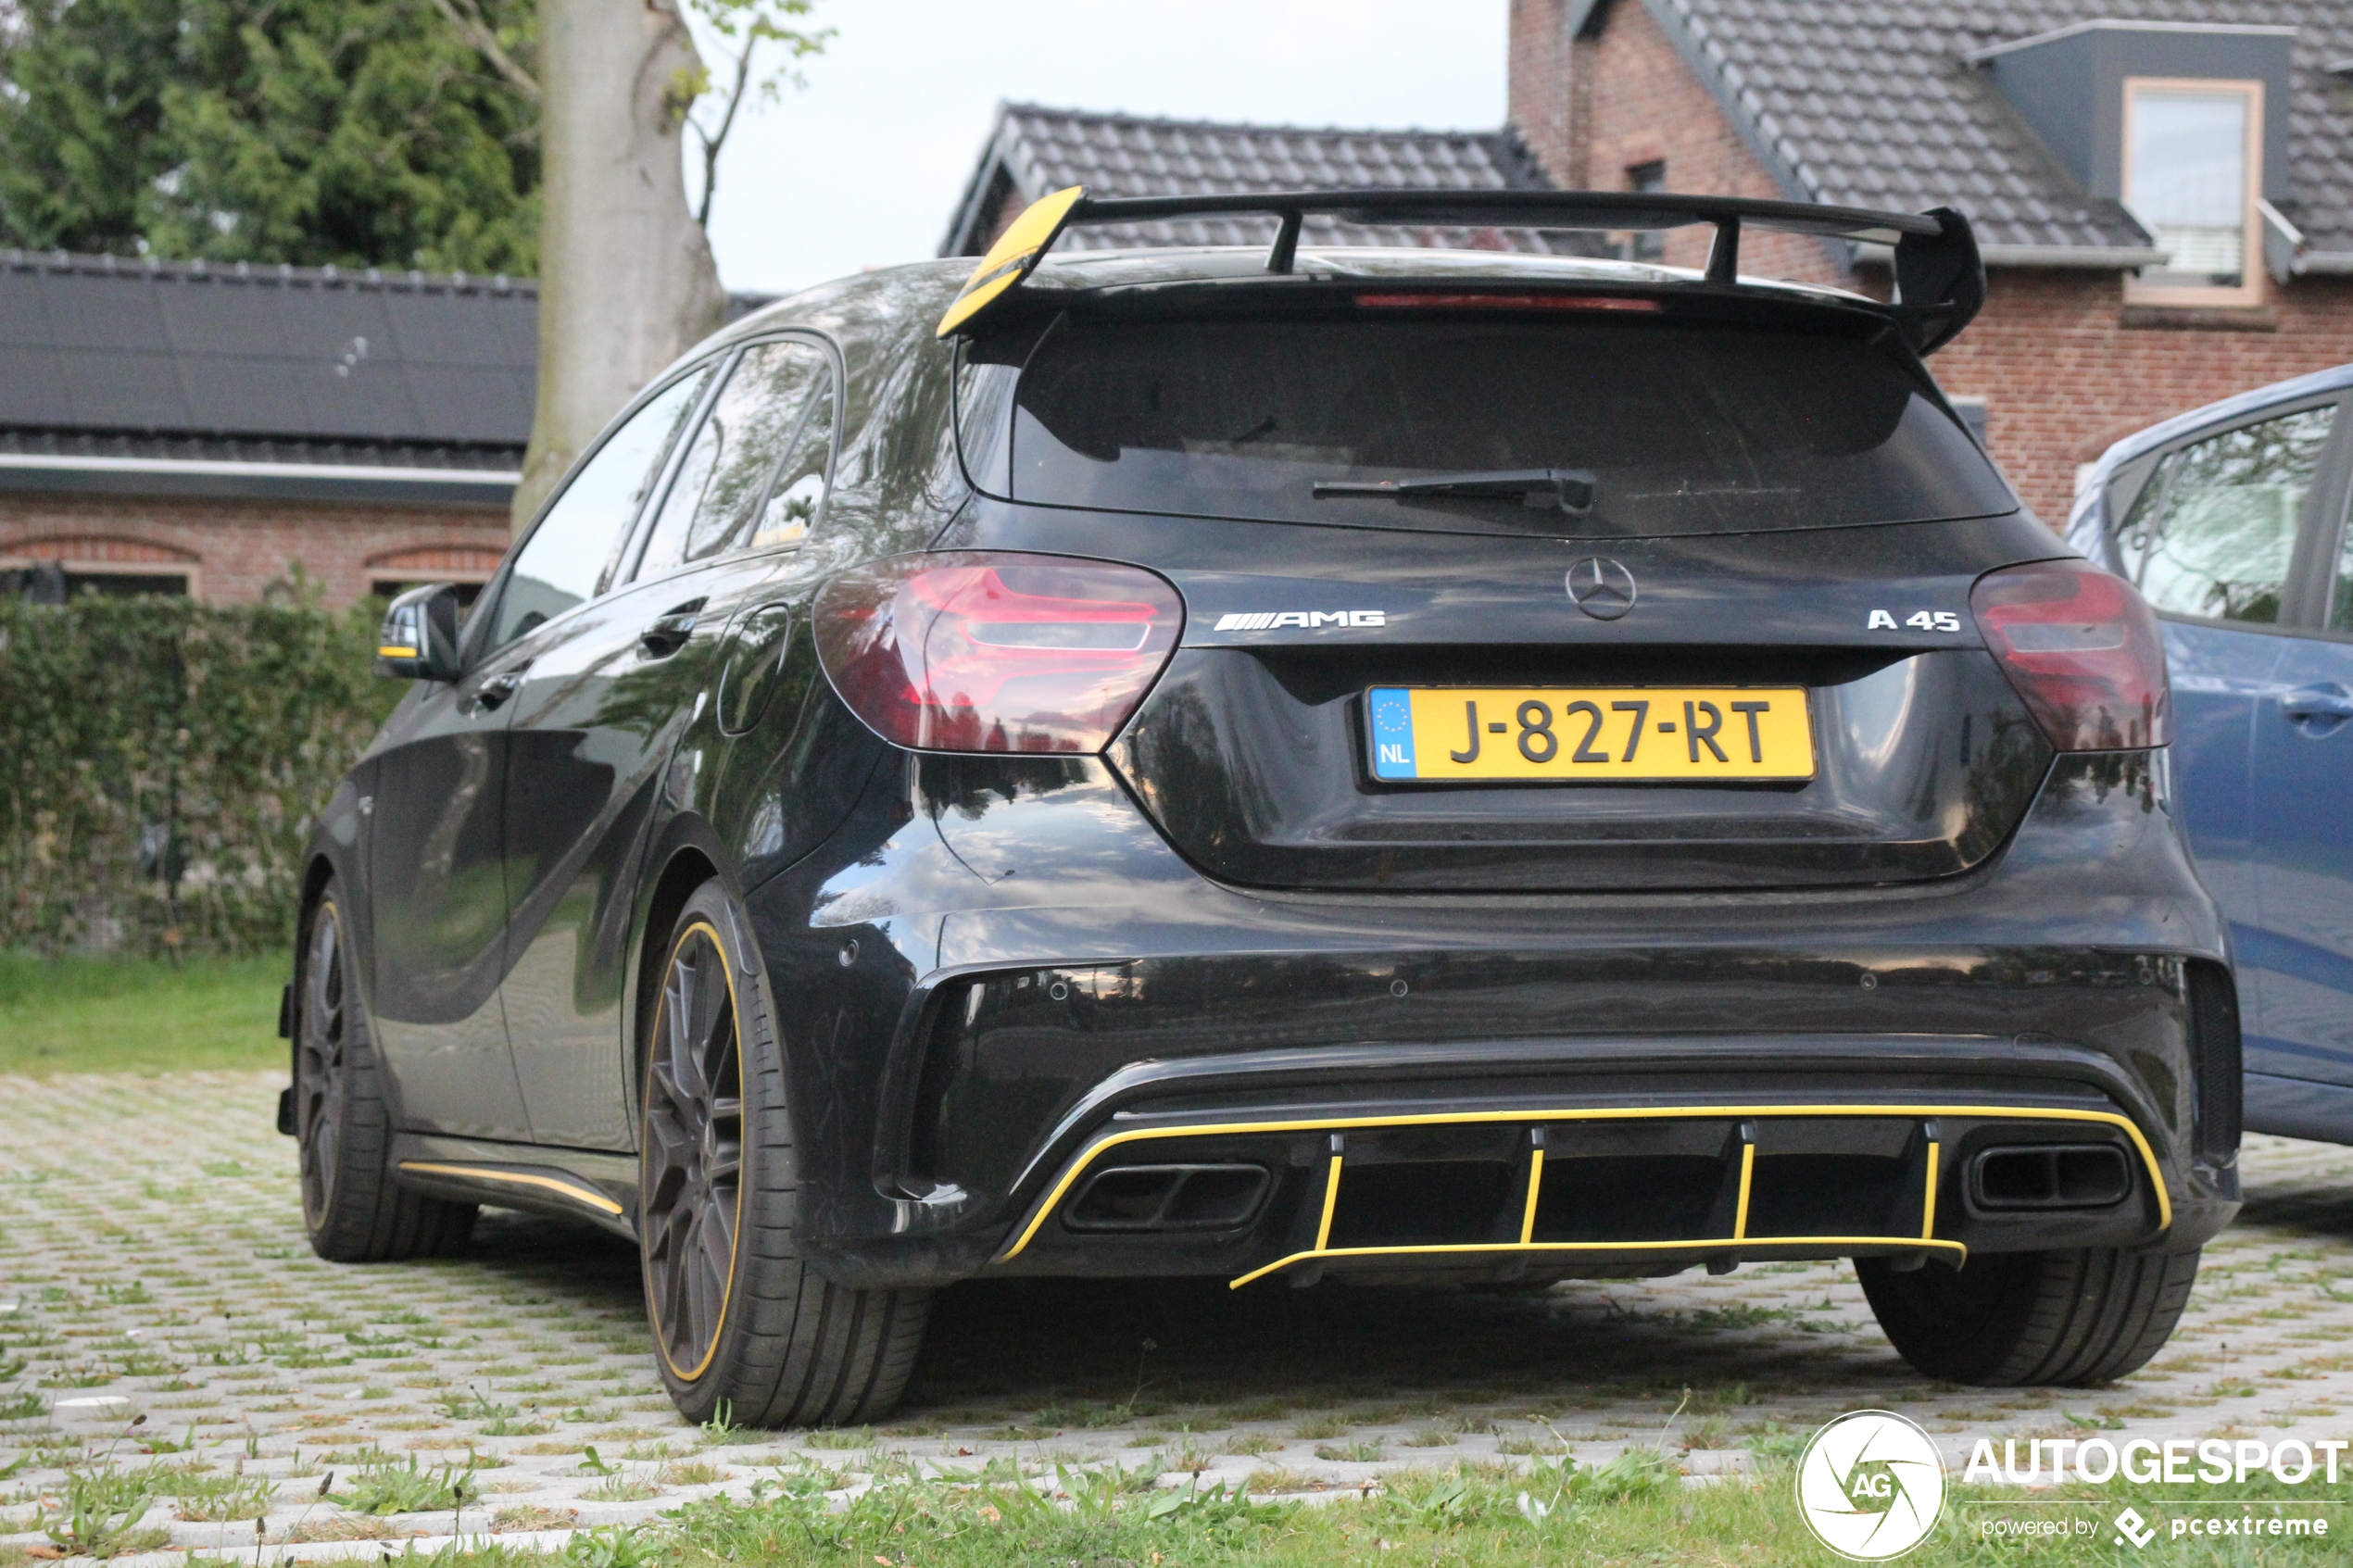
593 725
1254 767
436 897
978 961
972 872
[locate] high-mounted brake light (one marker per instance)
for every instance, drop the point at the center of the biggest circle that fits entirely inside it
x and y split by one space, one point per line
993 651
2081 648
1432 301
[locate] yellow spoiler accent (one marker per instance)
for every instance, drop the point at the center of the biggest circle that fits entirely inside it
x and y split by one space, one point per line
1013 256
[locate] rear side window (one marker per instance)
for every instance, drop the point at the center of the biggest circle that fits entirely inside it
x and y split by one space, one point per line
1686 428
2213 530
769 427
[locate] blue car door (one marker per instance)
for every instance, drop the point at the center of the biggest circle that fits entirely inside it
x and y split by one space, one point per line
2219 537
2303 809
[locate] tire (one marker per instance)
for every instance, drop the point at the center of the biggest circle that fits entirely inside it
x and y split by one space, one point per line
352 1208
2044 1319
740 1321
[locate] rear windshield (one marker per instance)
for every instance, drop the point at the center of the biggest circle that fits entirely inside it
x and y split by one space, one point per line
1685 428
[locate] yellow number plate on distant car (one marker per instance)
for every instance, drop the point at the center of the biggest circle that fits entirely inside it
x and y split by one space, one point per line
1446 735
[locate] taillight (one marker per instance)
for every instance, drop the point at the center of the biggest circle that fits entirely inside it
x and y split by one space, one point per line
974 651
2082 649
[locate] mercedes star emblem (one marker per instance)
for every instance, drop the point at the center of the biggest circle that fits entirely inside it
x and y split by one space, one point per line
1601 587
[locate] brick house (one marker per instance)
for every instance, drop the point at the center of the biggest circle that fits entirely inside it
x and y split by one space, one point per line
179 428
2163 188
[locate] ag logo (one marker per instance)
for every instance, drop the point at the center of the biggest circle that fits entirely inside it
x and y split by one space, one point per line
1870 1485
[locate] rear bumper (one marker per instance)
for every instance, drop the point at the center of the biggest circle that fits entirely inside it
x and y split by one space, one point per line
1624 1157
997 995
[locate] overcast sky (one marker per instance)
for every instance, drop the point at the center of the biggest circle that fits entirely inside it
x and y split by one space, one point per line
863 168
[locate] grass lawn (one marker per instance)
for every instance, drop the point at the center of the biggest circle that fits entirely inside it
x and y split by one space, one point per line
1472 1518
139 1015
1460 1519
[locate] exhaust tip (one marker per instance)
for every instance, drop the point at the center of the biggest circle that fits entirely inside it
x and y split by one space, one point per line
2035 1176
1169 1197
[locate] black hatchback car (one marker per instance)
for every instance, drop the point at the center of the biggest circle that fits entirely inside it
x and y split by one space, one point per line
1415 764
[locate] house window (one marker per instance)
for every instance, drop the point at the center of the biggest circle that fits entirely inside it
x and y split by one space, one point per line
2192 170
57 582
1647 244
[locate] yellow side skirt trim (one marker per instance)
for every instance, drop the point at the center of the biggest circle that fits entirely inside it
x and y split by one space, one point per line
1079 1167
572 1190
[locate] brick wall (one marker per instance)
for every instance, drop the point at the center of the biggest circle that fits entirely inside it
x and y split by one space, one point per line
1643 105
1539 92
233 550
2063 366
2065 369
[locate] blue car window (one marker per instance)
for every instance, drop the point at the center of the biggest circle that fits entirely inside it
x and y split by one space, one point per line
2341 595
2213 530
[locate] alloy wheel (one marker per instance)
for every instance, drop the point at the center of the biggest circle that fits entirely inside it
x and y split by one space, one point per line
692 1183
321 1043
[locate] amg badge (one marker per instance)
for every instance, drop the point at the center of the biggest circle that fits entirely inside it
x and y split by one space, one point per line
1307 619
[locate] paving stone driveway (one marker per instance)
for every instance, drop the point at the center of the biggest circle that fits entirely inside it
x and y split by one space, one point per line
151 1263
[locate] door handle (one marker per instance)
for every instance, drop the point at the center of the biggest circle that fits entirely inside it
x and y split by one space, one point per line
669 633
2319 707
494 690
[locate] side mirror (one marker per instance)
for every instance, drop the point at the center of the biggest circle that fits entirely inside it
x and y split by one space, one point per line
419 637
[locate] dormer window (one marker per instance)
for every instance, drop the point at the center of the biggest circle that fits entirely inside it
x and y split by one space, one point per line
2192 172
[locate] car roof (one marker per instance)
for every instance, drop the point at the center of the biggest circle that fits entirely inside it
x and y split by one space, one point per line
2087 519
2335 380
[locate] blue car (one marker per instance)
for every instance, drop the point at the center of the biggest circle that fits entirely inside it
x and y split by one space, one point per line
2232 520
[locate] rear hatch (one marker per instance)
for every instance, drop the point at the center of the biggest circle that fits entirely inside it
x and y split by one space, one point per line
1515 595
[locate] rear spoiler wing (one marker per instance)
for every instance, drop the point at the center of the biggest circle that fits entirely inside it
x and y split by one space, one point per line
1940 278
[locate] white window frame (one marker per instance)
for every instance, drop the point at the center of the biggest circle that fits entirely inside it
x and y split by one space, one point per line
2250 291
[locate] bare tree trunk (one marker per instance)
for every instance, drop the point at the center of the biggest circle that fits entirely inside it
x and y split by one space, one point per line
626 279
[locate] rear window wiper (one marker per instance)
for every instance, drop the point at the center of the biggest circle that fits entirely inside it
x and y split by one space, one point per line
1570 490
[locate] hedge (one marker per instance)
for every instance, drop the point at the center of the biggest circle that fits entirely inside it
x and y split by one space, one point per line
161 762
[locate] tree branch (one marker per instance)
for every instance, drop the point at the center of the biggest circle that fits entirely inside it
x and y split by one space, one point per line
711 142
466 16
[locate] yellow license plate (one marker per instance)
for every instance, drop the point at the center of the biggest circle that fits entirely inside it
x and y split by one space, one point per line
1448 734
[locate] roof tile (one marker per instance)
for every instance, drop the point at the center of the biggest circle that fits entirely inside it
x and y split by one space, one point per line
1116 155
1871 100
